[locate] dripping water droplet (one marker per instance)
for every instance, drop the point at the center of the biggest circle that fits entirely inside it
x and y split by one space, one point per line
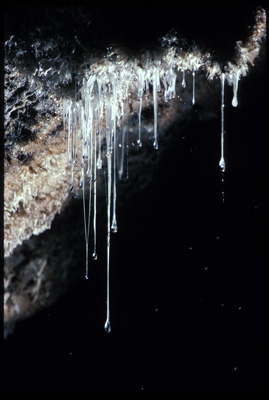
183 80
234 102
222 164
107 326
114 227
71 188
94 256
155 145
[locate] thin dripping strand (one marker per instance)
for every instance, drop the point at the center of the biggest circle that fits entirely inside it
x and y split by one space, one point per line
222 159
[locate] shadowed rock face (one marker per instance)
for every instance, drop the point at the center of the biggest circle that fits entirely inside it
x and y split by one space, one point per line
48 51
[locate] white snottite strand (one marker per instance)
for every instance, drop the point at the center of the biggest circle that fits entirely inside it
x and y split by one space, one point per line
98 113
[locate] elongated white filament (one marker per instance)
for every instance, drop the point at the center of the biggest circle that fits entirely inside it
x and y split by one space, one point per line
94 254
139 142
235 88
222 160
109 184
114 227
193 87
155 106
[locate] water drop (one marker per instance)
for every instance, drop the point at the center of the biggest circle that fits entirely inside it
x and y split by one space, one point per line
183 80
94 256
71 188
114 227
234 102
222 164
107 326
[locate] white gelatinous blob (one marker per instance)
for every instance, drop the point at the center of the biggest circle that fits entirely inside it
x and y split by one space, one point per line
222 160
235 88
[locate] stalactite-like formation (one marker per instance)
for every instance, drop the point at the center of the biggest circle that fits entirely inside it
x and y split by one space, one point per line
106 90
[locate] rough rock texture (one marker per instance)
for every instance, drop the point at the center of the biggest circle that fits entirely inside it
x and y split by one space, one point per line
41 67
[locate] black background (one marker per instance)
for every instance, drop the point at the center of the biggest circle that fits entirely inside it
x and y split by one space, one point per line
187 271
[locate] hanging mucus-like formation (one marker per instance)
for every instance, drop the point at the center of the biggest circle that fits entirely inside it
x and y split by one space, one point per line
98 111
